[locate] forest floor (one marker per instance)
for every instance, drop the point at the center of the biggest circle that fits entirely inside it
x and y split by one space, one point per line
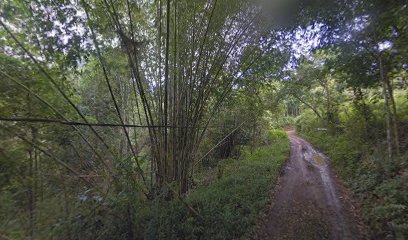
309 201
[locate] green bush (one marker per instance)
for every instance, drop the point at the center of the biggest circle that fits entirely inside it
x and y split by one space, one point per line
275 135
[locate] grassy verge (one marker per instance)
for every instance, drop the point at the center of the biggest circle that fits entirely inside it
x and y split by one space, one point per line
230 204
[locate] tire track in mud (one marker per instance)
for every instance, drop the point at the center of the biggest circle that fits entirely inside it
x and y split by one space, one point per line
309 202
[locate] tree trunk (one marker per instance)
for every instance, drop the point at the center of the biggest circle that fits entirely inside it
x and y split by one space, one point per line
394 115
386 107
361 106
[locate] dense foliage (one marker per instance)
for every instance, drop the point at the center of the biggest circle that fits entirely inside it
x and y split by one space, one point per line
354 95
151 118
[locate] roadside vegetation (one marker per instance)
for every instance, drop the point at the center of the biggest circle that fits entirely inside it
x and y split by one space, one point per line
378 185
353 100
229 205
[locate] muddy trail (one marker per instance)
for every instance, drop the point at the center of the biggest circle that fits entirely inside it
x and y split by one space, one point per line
309 202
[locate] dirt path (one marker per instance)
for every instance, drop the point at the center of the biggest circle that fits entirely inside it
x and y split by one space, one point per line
309 202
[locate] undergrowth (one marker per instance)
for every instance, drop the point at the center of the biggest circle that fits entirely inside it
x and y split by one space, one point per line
228 206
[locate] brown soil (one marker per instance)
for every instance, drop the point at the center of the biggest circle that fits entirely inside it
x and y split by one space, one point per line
309 201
